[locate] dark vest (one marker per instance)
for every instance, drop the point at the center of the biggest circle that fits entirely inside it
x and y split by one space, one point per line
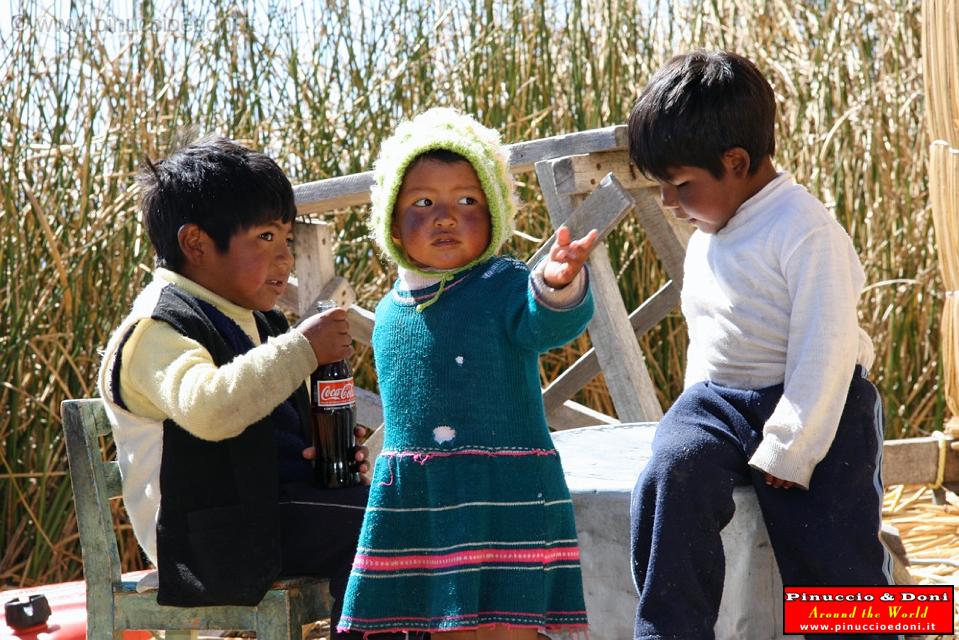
218 538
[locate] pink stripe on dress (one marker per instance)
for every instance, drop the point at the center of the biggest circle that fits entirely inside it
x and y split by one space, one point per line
460 558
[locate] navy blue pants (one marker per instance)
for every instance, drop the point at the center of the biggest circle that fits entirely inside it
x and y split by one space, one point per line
827 535
320 529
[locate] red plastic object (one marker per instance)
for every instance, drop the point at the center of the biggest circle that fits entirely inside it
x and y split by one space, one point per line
68 617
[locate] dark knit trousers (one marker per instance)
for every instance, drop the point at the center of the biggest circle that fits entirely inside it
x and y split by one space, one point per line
320 528
827 535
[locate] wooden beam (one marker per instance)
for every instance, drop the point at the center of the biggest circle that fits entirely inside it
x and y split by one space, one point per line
584 172
361 323
572 415
354 190
524 155
602 209
369 408
369 413
669 248
313 248
339 290
587 367
916 461
333 193
619 354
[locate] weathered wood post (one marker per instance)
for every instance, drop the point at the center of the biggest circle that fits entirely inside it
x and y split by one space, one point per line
622 360
316 273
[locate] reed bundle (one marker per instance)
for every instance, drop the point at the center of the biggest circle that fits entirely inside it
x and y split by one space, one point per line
940 43
940 31
944 198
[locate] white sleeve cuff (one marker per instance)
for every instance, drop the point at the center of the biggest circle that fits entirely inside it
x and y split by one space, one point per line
771 457
562 298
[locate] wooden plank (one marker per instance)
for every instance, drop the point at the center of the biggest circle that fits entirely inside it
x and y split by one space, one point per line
141 611
670 250
313 248
587 367
101 559
369 408
339 291
572 415
290 299
586 171
361 323
619 353
354 190
369 413
602 210
616 347
333 193
524 155
916 461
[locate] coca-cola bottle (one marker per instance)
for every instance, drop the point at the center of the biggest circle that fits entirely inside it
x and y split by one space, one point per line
333 407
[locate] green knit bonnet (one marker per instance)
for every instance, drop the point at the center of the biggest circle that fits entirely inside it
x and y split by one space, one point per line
443 128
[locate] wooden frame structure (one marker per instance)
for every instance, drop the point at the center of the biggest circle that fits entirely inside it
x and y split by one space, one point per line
587 182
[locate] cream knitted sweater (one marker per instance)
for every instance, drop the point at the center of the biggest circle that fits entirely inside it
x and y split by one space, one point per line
166 374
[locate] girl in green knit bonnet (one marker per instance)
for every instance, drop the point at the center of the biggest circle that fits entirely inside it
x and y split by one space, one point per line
469 531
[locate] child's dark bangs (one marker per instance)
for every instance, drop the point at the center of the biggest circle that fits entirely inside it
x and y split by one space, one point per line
654 151
265 200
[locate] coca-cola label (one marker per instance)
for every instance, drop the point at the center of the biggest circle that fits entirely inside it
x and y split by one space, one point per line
335 393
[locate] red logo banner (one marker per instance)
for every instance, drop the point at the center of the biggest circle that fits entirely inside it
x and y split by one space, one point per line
886 610
335 393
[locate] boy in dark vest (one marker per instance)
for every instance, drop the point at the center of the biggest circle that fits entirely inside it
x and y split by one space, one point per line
204 382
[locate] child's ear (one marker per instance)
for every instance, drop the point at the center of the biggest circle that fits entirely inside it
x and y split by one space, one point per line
736 160
194 242
395 233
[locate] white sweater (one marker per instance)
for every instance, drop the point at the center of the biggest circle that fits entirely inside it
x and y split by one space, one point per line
771 298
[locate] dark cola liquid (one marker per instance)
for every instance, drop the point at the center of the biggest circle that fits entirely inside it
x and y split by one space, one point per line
334 418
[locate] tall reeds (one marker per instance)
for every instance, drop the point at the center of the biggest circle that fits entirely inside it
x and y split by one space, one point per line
85 96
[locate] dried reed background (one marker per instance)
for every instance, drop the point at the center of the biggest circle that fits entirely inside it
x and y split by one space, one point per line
81 102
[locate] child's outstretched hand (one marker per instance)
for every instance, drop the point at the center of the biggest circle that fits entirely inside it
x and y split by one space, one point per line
566 258
329 335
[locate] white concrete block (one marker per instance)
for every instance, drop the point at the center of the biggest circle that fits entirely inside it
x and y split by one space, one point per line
601 464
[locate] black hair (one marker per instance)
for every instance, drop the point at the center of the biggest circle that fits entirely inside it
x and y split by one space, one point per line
698 106
215 183
437 155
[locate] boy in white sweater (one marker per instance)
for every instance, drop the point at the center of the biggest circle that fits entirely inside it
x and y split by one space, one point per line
776 393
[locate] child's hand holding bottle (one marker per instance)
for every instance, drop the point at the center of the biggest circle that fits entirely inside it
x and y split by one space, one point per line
329 335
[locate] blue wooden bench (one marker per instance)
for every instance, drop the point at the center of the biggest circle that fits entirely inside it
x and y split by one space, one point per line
114 605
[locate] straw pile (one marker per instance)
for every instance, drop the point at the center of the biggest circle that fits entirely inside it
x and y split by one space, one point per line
929 532
940 44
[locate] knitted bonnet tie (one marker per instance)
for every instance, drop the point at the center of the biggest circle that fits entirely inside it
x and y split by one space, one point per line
447 129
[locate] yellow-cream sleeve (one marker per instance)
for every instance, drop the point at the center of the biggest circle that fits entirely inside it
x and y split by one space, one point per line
166 374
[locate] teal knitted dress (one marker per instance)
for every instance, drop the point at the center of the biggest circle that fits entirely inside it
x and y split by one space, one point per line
469 522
